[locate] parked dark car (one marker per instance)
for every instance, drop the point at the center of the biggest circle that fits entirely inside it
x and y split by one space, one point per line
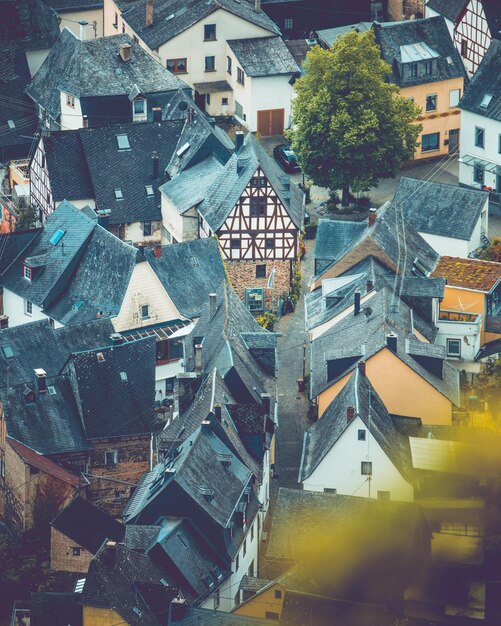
285 156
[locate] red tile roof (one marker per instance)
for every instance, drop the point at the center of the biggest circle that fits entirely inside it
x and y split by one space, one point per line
44 464
468 273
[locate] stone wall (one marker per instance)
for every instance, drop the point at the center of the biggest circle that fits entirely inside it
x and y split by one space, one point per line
242 276
111 494
62 557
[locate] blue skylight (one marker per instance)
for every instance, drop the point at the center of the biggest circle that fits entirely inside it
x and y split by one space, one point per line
57 236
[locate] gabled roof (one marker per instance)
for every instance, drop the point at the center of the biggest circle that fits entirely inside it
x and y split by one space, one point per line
50 424
450 9
227 188
45 464
124 580
116 396
430 31
383 240
351 340
440 209
172 17
189 272
329 35
263 56
93 68
208 617
335 237
323 435
30 24
474 274
13 244
87 525
485 82
224 348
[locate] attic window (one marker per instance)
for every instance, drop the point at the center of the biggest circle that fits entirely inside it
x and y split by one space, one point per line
195 262
27 272
164 582
118 194
137 611
123 377
7 350
486 100
149 190
123 142
100 357
51 390
10 124
57 236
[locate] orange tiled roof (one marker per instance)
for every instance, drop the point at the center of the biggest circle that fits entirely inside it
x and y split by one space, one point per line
468 273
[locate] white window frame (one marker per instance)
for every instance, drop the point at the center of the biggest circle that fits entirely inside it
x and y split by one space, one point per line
28 307
27 272
454 97
456 355
114 457
139 116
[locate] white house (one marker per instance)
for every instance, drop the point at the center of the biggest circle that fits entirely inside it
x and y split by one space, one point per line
452 219
480 150
354 449
460 333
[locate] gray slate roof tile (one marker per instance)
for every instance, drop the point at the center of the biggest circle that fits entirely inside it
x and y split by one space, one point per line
486 80
263 56
450 9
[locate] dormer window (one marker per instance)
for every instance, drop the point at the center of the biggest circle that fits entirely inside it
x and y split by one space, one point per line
70 100
428 68
27 272
486 100
149 190
139 110
414 70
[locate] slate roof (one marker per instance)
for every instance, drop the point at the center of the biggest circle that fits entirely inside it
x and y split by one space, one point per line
207 617
110 405
66 6
440 209
352 339
450 9
335 237
473 274
486 81
28 23
86 336
87 525
85 274
139 537
94 68
49 425
227 188
263 56
189 272
55 609
386 236
329 35
431 31
298 48
358 392
122 579
185 15
13 244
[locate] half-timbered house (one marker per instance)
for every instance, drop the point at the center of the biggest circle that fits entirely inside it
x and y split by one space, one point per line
255 211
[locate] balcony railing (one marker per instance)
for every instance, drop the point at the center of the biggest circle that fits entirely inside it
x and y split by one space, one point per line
457 316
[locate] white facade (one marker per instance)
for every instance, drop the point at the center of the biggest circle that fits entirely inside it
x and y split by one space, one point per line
180 227
448 246
461 339
21 311
93 17
71 112
340 469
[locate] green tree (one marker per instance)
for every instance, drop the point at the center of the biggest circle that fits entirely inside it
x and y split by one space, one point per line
493 251
350 126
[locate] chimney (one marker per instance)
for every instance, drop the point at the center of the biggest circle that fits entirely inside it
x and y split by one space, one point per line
41 378
83 29
217 412
125 50
103 219
110 554
157 114
198 358
178 609
266 402
350 413
391 341
206 426
85 121
149 13
154 161
189 115
257 5
369 286
212 305
361 367
117 339
4 322
356 309
157 251
239 140
372 216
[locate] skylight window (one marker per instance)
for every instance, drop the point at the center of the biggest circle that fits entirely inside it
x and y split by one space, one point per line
10 124
123 142
57 236
7 350
123 376
51 390
149 190
118 194
486 100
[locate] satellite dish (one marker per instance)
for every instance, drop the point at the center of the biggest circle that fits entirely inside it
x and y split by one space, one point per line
182 106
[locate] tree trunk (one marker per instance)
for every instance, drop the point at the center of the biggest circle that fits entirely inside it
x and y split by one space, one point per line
345 200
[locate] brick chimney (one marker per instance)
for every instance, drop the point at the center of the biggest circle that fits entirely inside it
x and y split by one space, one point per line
41 379
125 52
157 251
361 367
198 358
356 309
372 216
266 402
391 341
4 321
117 339
239 140
157 114
369 286
217 412
257 5
149 13
350 413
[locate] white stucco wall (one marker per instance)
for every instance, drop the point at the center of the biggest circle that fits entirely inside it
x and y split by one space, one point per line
270 92
322 328
467 147
14 307
468 334
341 468
134 233
182 227
447 246
35 58
71 117
69 20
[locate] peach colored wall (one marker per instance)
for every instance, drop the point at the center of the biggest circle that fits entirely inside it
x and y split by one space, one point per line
402 390
261 603
444 119
93 616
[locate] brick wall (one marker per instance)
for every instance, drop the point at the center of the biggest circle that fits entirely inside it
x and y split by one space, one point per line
62 557
243 275
133 461
17 475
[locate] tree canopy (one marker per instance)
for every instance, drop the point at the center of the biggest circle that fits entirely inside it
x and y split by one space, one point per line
350 125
